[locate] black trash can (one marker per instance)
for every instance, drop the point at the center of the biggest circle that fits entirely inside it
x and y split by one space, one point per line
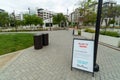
38 43
45 39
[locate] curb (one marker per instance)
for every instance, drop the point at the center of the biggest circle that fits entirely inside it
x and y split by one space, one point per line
109 46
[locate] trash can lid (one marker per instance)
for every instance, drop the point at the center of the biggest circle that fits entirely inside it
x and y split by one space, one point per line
37 34
45 33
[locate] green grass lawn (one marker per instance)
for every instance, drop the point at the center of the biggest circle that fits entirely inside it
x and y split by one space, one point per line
15 41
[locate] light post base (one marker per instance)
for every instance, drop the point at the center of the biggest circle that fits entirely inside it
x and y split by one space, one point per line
96 68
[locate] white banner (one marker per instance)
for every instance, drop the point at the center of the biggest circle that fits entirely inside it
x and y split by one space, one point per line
83 54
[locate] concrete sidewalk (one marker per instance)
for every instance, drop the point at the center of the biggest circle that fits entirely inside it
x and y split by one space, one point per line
53 62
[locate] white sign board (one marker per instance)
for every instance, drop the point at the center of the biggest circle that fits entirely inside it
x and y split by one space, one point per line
83 54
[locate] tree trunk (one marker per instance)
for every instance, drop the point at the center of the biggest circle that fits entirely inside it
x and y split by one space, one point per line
106 22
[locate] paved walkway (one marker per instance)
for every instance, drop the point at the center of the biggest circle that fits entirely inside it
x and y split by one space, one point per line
53 62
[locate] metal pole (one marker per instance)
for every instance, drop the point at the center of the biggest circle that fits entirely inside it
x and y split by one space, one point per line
96 66
50 23
50 17
71 20
67 19
14 20
29 10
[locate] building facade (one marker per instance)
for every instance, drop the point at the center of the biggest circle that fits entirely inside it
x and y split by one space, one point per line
19 16
74 18
44 14
1 10
47 17
106 6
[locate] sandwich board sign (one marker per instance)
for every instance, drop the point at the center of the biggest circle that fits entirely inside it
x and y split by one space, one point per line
83 54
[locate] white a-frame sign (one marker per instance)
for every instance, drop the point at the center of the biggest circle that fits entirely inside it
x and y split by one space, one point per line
83 54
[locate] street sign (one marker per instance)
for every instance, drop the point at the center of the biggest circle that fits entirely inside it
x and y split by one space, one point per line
82 54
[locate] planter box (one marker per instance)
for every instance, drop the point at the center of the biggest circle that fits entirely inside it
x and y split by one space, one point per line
87 35
75 32
103 38
110 40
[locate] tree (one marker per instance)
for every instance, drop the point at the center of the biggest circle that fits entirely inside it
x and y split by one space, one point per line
28 19
32 19
4 19
117 10
37 20
59 19
18 22
87 11
109 13
111 22
90 18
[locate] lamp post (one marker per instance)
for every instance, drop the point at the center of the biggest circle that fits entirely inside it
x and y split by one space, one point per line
50 17
96 66
72 19
50 24
67 19
29 10
14 20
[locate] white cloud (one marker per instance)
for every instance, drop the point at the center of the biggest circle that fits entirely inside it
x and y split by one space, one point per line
22 5
52 5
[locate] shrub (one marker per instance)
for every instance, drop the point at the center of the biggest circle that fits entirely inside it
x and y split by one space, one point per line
79 32
110 33
89 30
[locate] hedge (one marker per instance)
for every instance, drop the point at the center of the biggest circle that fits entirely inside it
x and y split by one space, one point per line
108 33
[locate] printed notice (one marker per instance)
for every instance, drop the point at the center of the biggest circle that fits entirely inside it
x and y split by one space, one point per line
83 54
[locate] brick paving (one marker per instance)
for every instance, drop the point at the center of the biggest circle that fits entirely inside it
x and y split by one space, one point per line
53 62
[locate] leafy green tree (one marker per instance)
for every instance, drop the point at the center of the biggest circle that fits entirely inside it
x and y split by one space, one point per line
87 12
28 19
55 19
112 22
23 23
18 22
110 12
4 19
32 19
37 20
59 18
13 22
90 18
117 10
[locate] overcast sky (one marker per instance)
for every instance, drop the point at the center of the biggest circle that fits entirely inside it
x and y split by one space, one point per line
52 5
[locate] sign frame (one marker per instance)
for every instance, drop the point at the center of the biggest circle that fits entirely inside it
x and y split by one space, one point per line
73 55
